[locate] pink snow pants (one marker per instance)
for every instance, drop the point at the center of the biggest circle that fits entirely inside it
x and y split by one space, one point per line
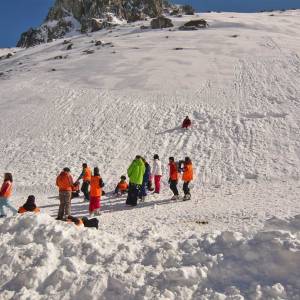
157 183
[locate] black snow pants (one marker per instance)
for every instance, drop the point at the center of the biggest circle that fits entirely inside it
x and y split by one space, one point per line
173 187
85 190
133 192
186 188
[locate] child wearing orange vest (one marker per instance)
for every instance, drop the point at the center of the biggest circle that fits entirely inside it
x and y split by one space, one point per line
95 192
29 206
85 175
173 178
122 186
5 193
187 177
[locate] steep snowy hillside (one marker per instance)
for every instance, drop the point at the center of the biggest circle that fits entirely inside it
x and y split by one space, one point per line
125 91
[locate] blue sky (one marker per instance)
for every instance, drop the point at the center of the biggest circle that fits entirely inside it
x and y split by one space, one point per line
17 16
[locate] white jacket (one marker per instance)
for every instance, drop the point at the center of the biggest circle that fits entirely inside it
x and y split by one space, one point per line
156 170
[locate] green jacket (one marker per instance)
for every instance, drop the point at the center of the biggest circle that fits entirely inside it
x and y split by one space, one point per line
136 171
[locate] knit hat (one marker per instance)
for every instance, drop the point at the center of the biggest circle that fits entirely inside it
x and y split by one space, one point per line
30 203
96 171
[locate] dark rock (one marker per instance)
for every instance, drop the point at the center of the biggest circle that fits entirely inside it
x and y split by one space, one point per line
179 10
66 42
1 74
143 27
58 57
200 23
188 28
9 55
234 35
98 43
108 44
178 48
96 25
188 9
161 22
70 47
53 70
88 51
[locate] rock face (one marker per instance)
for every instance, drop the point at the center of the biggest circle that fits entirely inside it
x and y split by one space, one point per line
161 22
67 16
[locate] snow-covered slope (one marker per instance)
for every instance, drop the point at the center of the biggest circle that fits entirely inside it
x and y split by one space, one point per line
239 82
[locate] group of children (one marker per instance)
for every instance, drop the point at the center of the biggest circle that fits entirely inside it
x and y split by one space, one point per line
140 184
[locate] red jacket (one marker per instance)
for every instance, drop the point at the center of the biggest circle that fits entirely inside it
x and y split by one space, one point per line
186 123
6 189
173 171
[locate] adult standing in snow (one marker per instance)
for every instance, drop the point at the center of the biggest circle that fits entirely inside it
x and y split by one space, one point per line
64 181
5 193
85 175
187 177
95 192
156 173
186 123
146 178
135 173
173 178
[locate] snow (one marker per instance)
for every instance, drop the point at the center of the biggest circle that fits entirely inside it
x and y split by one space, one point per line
238 81
62 260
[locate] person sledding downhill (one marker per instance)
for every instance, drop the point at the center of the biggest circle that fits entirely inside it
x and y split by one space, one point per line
64 181
135 173
122 186
5 193
85 175
146 178
187 177
95 193
173 178
29 206
186 123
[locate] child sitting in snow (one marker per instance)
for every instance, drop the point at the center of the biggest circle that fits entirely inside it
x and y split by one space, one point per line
29 206
122 186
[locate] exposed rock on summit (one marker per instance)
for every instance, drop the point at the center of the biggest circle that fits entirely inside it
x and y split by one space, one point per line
67 17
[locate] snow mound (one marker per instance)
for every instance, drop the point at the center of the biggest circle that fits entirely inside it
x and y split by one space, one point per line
42 259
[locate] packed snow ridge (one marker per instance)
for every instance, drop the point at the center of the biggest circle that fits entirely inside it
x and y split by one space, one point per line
124 91
57 260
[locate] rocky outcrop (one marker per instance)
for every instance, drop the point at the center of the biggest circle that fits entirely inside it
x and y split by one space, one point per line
67 16
161 22
194 25
178 10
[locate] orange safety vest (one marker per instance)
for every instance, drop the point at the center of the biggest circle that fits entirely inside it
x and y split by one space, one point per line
87 174
8 191
64 181
23 210
95 190
188 172
173 171
122 186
